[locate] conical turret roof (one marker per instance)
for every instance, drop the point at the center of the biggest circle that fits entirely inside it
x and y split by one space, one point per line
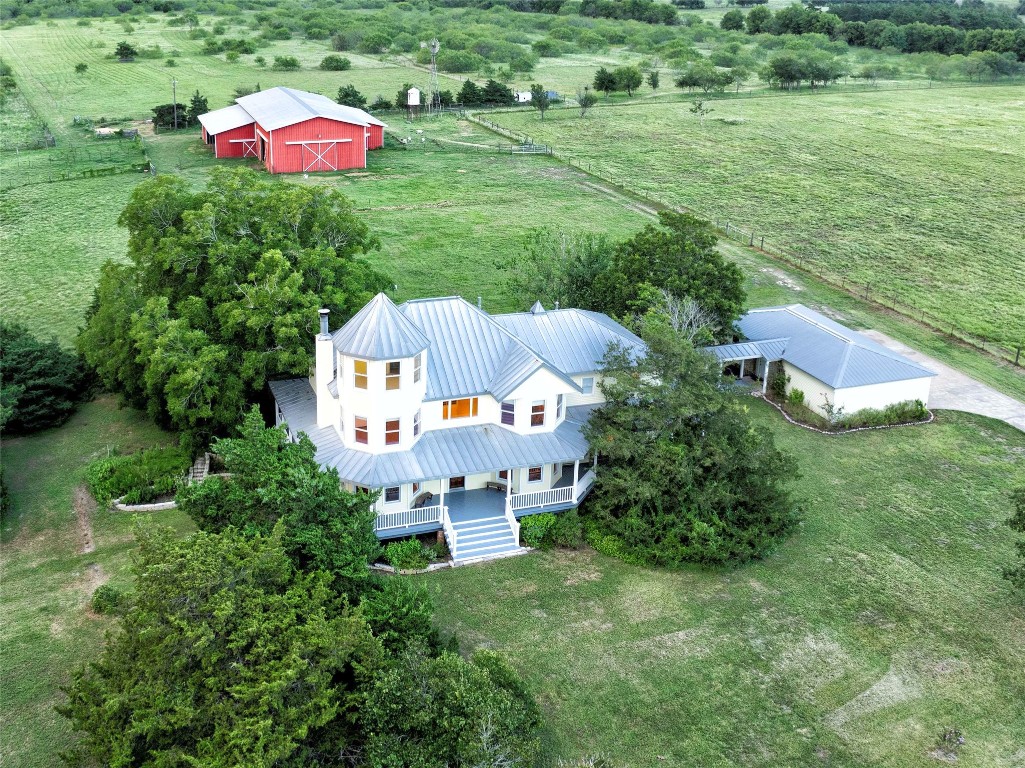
380 331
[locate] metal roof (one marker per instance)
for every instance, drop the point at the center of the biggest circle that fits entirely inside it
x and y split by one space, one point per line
471 353
771 350
379 331
574 340
832 353
221 120
277 107
437 454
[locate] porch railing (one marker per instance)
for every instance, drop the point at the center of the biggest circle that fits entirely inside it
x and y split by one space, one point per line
514 524
542 498
407 517
450 532
584 483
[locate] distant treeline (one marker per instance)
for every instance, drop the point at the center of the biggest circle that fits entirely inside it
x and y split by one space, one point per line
970 15
636 10
916 37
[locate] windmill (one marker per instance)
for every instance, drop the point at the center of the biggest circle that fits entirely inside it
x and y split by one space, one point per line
433 89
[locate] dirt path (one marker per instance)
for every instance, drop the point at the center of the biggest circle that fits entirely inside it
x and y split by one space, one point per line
955 391
85 507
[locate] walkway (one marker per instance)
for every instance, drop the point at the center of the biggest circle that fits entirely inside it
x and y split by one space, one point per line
955 391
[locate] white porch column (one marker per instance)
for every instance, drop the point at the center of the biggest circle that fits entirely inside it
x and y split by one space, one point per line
765 378
576 478
742 368
441 501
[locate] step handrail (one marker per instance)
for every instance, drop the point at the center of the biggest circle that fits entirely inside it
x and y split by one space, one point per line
450 532
514 524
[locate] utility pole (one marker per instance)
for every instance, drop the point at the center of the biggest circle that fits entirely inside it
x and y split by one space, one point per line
174 100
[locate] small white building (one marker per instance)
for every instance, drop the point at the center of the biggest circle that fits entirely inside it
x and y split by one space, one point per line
413 97
825 360
463 421
522 97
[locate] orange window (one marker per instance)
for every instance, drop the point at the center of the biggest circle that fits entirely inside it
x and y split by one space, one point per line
459 409
391 432
361 429
392 375
537 414
359 377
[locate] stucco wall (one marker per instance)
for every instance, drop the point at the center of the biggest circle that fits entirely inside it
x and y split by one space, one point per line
854 399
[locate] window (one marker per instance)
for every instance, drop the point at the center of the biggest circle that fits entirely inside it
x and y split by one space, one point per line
537 414
555 469
503 474
391 495
558 407
509 414
363 489
416 367
361 429
459 409
359 376
416 488
416 424
391 374
457 483
391 432
534 474
588 385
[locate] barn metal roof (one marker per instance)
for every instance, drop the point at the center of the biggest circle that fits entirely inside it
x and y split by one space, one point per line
221 120
823 348
379 331
437 454
575 340
278 107
471 352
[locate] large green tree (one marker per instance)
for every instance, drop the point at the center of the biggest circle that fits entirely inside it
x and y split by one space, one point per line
270 479
1016 573
683 475
221 292
40 381
679 255
226 656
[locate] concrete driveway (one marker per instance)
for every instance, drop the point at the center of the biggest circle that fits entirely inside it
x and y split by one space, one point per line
952 390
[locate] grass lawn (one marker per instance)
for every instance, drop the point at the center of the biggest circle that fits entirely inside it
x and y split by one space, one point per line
915 192
46 629
883 622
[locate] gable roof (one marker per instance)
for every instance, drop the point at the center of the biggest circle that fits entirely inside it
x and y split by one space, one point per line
575 340
832 353
278 107
221 120
471 353
379 331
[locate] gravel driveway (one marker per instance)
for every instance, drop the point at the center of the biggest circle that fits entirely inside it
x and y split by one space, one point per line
953 390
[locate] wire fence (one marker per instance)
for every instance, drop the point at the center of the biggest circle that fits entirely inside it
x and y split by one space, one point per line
883 296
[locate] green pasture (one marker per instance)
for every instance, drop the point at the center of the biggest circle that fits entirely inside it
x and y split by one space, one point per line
46 628
916 193
882 623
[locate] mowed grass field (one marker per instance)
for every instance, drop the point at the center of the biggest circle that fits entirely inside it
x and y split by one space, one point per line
882 623
918 193
48 576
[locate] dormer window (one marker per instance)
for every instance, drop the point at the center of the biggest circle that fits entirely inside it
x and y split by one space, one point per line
392 375
558 408
416 367
459 409
509 413
359 374
537 414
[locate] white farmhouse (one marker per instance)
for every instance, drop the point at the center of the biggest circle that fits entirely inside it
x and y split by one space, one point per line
464 421
828 362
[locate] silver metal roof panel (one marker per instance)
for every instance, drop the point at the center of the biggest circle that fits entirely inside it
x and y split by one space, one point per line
278 107
221 120
380 331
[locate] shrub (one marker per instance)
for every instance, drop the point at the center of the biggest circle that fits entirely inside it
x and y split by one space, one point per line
567 530
796 397
778 383
896 413
108 600
534 529
407 554
139 478
400 613
286 63
335 63
40 382
379 104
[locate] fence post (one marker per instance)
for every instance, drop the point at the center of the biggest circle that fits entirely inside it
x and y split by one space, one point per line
1017 355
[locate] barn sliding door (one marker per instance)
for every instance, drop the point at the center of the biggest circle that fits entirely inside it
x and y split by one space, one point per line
320 155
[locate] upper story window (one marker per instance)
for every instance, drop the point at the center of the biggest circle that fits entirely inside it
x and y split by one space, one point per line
392 376
393 494
558 407
391 432
537 414
535 474
416 367
361 429
509 414
416 424
588 385
459 409
359 374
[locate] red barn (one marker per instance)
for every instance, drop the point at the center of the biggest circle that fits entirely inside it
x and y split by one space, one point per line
293 131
